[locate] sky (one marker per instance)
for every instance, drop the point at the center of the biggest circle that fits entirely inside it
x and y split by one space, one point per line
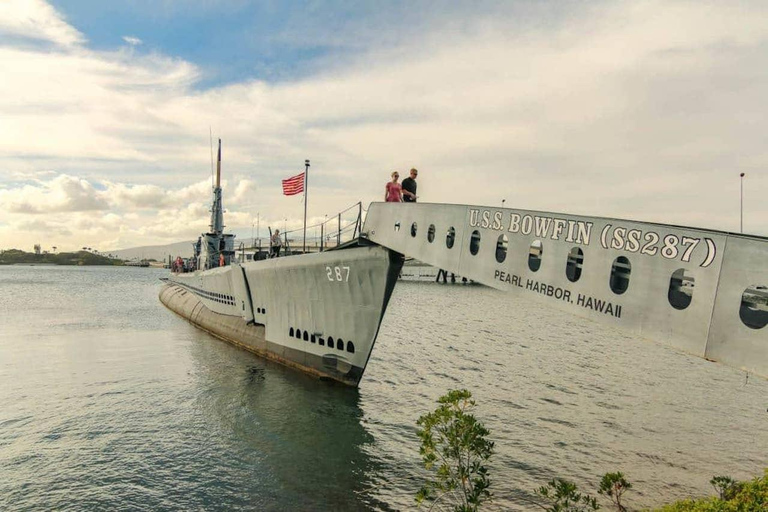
642 110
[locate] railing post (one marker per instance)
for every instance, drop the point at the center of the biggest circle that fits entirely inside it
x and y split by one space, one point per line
338 235
359 224
322 235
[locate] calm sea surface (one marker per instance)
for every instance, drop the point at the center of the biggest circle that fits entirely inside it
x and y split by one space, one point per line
108 401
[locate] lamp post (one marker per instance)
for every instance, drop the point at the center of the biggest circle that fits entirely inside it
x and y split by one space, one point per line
741 204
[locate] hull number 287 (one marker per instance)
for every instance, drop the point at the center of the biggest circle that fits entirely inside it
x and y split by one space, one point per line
337 273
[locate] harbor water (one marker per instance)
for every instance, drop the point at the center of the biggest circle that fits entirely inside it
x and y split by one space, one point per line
112 402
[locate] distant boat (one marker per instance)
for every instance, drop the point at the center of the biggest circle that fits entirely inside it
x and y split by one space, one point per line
135 263
415 270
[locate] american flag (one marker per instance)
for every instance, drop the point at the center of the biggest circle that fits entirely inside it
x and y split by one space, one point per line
294 185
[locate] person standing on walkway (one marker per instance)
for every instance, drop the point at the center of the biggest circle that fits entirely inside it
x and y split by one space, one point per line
409 187
275 243
393 192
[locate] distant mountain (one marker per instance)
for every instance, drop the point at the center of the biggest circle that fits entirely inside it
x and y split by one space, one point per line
157 252
161 252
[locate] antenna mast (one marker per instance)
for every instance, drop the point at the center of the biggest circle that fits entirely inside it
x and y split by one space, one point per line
210 137
217 211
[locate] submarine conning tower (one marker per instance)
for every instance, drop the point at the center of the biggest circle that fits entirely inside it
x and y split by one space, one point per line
215 243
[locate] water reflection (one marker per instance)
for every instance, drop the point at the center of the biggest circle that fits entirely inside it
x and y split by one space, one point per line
303 440
754 307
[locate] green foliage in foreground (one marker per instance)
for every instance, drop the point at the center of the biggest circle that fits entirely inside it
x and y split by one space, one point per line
563 496
614 485
454 446
751 496
15 256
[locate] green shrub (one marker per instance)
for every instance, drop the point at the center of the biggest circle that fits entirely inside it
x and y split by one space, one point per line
454 446
563 496
614 485
749 496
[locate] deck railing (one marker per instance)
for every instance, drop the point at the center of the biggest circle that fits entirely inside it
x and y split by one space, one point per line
335 230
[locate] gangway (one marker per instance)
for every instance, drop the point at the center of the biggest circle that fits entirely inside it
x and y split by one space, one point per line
701 291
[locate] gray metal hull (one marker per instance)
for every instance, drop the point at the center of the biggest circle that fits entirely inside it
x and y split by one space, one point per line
319 313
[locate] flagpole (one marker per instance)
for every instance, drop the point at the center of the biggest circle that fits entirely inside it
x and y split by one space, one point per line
306 192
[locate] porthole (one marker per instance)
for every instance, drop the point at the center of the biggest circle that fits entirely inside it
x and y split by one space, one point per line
501 248
290 332
350 347
321 341
298 333
474 242
306 336
340 344
754 307
414 227
620 271
574 263
431 233
330 341
450 237
313 339
397 226
534 255
680 291
264 310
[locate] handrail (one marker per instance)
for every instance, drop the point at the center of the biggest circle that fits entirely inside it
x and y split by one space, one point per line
358 205
353 224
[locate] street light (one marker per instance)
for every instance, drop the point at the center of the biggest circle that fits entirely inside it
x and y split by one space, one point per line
741 206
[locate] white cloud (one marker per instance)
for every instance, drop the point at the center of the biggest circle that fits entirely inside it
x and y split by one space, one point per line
68 212
61 194
644 110
37 20
133 41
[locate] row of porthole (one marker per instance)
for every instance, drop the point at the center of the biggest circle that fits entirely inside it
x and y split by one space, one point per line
261 311
679 295
338 343
619 272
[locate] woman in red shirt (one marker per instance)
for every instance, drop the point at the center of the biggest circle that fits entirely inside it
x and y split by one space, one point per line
393 193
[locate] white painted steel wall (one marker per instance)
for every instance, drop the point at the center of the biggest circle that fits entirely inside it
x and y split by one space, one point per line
723 266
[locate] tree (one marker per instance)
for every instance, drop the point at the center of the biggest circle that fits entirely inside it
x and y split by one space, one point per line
564 497
455 447
725 486
614 485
